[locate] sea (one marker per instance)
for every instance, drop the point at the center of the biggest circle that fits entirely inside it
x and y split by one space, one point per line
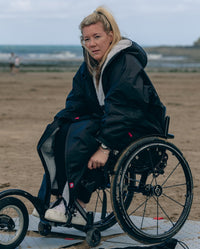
65 55
41 54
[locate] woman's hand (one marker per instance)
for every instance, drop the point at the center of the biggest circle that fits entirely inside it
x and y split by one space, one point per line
98 159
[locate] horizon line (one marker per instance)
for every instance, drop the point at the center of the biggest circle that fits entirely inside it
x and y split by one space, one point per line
79 45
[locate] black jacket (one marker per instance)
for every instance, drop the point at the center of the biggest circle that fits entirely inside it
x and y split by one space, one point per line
131 102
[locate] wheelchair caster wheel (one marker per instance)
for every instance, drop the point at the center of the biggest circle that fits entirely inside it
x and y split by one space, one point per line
93 237
14 222
44 229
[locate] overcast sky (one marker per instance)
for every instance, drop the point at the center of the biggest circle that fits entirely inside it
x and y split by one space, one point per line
148 22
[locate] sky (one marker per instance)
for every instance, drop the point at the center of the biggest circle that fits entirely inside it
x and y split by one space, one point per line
56 22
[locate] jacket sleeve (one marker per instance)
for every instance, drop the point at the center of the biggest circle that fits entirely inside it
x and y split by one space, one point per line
130 104
75 103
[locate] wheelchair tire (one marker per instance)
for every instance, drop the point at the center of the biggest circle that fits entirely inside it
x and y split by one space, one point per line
162 179
14 221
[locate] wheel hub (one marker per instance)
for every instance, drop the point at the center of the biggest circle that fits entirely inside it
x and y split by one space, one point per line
150 190
157 190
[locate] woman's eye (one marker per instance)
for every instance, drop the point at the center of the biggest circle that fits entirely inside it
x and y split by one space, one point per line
97 36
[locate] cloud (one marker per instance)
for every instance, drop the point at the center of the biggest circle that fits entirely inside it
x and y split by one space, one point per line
146 20
20 5
42 8
64 9
141 7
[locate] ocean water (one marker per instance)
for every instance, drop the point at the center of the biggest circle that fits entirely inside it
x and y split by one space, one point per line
65 54
41 54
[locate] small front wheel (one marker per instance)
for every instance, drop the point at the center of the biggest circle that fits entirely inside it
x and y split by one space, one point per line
13 222
93 237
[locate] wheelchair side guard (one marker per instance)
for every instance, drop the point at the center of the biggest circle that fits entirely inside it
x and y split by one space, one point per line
166 134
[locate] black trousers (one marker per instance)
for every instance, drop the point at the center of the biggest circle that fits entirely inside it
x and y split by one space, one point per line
91 179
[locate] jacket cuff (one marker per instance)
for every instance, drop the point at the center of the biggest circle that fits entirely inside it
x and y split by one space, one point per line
100 140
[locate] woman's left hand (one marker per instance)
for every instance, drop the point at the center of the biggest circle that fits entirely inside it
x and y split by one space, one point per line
98 159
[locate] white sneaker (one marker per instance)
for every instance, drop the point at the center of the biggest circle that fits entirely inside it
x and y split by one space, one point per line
35 213
57 213
78 219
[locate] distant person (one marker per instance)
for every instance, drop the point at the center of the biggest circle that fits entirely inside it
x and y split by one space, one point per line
17 64
111 104
12 62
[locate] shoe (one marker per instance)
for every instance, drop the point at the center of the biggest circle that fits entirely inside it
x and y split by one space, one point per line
57 212
35 213
77 219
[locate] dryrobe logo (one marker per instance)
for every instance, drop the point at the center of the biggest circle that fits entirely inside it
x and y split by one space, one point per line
71 185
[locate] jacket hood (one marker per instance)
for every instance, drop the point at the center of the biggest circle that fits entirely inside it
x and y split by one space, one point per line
130 47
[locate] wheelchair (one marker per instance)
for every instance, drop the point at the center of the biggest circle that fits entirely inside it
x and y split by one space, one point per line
149 176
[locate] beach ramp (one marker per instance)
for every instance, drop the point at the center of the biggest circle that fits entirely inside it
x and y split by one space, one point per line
112 238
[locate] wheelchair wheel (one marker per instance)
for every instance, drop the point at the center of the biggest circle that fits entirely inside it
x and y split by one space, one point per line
162 190
13 222
101 207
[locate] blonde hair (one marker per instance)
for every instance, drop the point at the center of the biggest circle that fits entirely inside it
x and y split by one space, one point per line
109 24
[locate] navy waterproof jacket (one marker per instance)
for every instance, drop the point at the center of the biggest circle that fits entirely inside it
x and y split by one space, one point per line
132 104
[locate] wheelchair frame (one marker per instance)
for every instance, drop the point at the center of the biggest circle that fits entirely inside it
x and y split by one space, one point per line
128 181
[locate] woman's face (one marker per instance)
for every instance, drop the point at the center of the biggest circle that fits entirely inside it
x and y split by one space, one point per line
96 40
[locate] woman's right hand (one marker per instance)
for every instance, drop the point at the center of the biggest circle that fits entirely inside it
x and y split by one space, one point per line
98 159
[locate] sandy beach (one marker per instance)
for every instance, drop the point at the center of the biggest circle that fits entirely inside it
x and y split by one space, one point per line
29 101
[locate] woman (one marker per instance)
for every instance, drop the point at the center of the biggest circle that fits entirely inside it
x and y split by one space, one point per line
112 102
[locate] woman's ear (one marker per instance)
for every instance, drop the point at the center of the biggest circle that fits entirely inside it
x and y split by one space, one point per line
110 34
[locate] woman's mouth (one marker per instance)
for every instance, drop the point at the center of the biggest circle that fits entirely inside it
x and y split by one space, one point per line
95 51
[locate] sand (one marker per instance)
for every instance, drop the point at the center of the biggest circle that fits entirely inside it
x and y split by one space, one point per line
29 101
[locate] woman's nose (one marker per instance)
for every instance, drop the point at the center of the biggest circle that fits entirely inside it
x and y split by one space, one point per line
92 42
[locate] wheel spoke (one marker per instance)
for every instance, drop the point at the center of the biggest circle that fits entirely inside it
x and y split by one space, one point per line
101 208
97 200
172 199
137 208
172 172
145 205
157 212
175 185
